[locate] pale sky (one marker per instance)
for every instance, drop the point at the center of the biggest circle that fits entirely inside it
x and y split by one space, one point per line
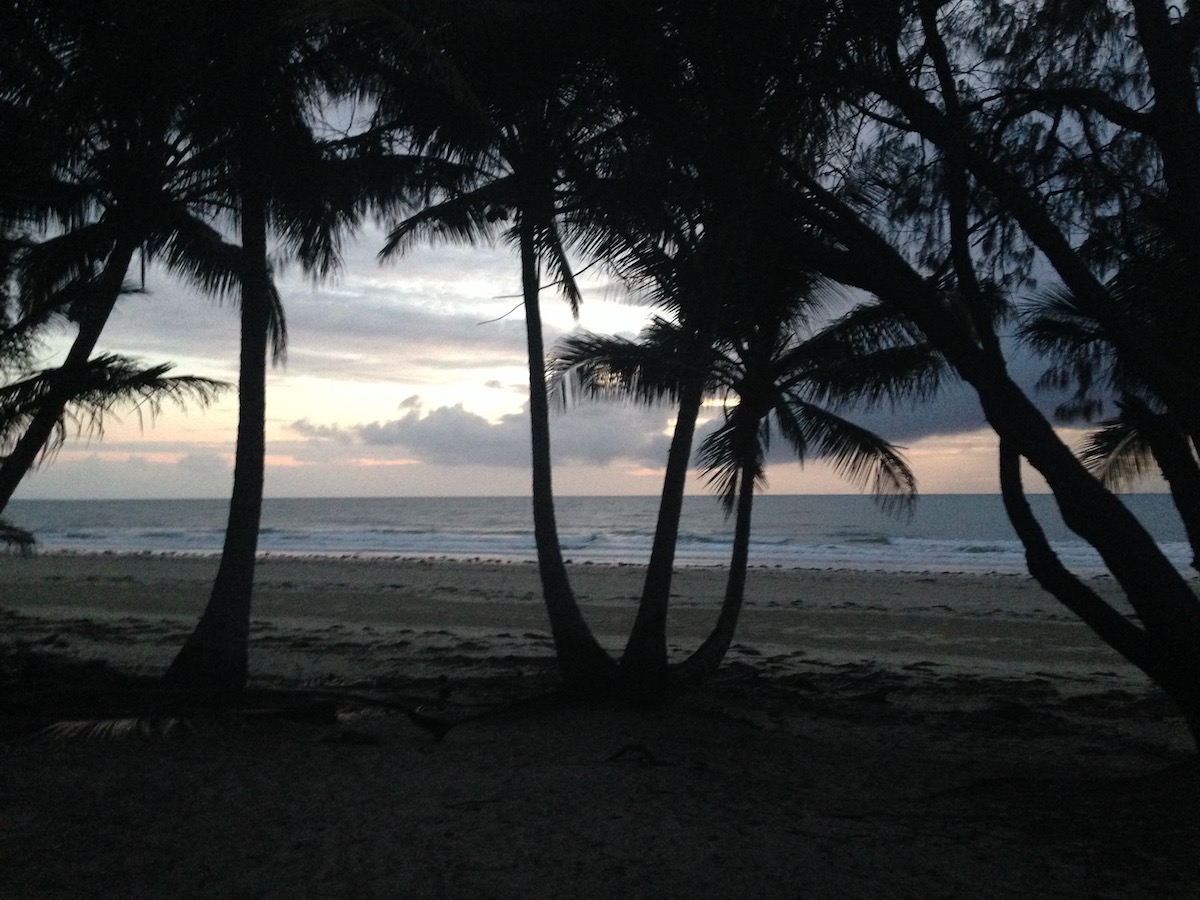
397 384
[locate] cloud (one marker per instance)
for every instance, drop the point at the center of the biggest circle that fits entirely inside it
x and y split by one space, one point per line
422 328
601 433
595 434
307 429
118 473
448 435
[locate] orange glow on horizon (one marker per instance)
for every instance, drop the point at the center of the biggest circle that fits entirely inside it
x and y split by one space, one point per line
283 461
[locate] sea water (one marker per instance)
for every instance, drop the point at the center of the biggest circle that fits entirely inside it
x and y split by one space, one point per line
966 533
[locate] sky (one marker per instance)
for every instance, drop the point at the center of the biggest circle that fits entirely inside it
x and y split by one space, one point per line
409 378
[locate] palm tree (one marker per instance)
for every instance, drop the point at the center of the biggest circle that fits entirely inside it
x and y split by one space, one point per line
685 274
268 64
768 376
689 213
500 168
96 165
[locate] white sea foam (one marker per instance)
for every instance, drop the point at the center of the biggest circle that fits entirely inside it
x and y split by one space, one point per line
963 533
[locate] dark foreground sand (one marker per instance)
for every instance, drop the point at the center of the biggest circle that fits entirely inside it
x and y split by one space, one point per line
859 744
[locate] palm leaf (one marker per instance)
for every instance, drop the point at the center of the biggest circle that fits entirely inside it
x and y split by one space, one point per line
117 729
648 370
723 455
66 261
868 356
197 251
463 219
93 391
552 252
1080 353
856 453
1117 453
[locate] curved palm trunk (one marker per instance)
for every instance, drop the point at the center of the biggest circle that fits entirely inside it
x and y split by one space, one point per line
24 455
586 668
215 657
644 669
707 658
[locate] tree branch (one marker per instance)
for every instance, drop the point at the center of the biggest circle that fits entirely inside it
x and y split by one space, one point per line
1045 566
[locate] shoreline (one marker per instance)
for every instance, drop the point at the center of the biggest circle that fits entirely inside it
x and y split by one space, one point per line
372 557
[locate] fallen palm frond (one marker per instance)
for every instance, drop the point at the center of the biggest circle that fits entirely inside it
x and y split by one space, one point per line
118 729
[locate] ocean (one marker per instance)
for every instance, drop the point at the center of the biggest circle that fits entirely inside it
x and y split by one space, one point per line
966 533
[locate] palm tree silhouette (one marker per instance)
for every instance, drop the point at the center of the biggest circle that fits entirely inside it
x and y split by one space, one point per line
268 64
502 168
97 165
767 376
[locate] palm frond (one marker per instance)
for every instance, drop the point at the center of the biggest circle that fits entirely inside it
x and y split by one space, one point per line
70 260
728 453
315 201
197 251
277 332
93 391
868 356
1081 355
1118 454
468 218
19 337
857 454
554 254
648 370
117 729
1053 325
392 183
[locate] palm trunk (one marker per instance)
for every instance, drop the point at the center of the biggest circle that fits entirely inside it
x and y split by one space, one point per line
587 670
215 657
24 455
708 657
644 669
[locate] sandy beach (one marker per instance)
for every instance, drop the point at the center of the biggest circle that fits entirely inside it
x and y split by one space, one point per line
872 735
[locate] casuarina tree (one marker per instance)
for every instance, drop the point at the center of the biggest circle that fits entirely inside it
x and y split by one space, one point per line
979 126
